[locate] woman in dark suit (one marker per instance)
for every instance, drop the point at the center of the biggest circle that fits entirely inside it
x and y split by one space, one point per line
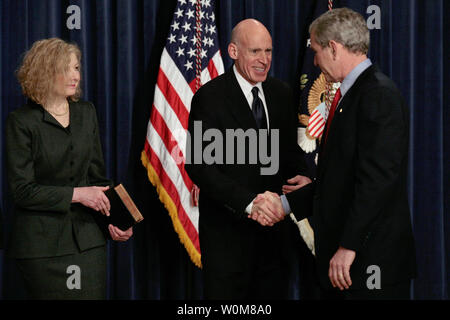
57 179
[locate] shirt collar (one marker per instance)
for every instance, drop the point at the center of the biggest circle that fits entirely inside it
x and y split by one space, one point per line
246 86
350 79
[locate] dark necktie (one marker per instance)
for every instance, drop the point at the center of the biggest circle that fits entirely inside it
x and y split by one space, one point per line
258 110
334 104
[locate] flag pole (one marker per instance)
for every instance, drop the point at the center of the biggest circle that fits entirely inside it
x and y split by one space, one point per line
198 39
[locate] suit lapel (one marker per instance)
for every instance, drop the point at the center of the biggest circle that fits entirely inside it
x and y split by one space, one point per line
271 109
332 137
238 104
46 116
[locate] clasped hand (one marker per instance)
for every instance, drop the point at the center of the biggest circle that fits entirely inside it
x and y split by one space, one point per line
94 197
267 209
120 235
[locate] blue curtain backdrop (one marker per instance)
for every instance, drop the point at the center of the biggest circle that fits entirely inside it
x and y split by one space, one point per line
122 41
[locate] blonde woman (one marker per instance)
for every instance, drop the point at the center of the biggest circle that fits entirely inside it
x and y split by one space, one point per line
57 179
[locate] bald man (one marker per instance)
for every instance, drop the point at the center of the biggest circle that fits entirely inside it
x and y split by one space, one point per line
242 258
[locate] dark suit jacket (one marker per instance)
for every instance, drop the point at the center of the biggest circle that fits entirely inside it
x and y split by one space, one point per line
360 200
229 240
45 162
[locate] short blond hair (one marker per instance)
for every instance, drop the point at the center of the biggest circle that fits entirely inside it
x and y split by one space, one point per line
40 65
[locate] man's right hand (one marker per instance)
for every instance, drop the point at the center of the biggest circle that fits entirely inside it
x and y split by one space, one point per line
267 209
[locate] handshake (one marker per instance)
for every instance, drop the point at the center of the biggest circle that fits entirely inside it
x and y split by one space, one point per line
267 208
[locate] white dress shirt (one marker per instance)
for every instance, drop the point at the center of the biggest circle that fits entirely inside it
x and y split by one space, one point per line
246 88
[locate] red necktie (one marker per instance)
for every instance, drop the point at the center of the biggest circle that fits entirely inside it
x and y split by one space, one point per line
336 99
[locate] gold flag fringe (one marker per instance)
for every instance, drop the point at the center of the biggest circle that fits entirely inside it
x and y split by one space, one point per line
171 208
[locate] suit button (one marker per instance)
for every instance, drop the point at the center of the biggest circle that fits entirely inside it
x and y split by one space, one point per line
71 163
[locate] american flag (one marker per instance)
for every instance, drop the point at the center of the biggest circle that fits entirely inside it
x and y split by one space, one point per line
190 58
316 123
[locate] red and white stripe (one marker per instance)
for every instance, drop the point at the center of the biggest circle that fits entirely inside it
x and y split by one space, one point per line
316 124
166 143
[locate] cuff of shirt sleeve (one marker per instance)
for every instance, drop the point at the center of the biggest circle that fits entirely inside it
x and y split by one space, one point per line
248 210
285 204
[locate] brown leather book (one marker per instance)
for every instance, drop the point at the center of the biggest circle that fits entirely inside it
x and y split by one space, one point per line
123 213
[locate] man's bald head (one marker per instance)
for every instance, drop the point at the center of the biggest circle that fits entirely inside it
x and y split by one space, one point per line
251 49
246 28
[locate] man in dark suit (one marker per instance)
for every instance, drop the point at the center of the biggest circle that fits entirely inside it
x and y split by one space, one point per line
241 259
363 236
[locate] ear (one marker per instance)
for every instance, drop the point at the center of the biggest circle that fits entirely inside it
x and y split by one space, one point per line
233 51
333 46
